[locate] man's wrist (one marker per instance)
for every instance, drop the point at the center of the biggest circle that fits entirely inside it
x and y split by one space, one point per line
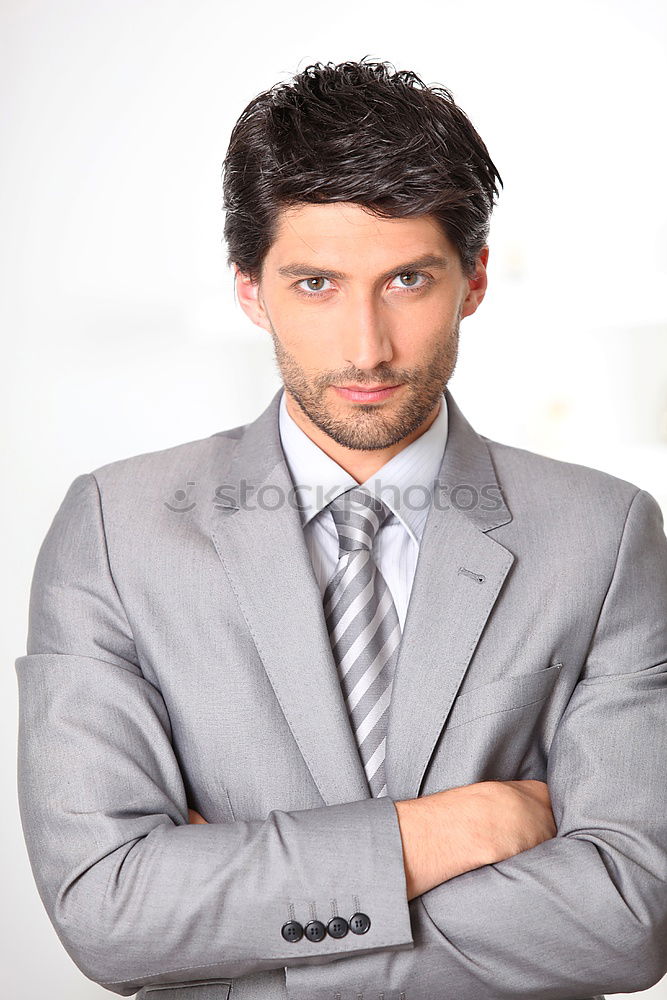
444 835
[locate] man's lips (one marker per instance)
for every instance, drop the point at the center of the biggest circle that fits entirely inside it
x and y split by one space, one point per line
366 394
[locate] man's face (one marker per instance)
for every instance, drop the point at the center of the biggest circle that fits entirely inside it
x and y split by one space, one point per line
354 300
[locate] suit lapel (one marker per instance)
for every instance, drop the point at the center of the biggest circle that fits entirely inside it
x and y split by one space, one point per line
266 559
262 548
460 571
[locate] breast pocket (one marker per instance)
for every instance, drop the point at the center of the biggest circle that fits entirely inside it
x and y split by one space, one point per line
199 989
504 695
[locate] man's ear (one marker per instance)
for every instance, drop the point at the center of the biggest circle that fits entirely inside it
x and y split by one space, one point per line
249 296
476 285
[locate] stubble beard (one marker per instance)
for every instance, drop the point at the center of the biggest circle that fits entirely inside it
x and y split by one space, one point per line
372 426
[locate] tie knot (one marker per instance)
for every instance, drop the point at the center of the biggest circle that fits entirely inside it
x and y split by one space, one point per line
357 515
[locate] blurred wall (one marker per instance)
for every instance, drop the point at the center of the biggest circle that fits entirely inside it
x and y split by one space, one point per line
120 331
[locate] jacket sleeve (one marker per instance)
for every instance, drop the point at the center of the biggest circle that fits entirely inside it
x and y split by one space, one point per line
585 912
136 894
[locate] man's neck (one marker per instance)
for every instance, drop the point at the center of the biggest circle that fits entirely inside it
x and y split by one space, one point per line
361 465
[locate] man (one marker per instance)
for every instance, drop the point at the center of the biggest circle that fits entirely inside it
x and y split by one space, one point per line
377 707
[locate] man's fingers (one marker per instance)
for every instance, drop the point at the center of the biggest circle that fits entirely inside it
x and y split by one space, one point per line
194 817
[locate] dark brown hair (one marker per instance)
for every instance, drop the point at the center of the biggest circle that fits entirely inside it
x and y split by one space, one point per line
360 132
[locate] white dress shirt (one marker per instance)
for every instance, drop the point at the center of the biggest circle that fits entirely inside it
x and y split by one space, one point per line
404 483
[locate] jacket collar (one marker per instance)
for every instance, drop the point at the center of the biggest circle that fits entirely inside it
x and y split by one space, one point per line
466 475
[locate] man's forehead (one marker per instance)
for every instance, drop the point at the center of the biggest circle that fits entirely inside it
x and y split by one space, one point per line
336 227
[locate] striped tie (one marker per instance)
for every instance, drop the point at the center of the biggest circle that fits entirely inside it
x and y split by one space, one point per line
363 627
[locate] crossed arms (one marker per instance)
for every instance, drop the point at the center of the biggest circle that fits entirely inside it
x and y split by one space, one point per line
138 895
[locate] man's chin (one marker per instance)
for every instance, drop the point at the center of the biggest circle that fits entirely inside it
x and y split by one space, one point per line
379 432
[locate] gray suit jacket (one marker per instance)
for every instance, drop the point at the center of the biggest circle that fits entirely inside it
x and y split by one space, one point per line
177 656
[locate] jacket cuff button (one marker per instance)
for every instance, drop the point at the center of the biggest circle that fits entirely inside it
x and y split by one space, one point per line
359 923
315 930
292 930
337 927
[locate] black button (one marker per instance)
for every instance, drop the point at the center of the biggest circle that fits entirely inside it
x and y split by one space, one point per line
315 930
292 930
337 927
359 923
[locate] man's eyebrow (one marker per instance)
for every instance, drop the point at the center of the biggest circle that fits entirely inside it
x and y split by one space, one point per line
299 269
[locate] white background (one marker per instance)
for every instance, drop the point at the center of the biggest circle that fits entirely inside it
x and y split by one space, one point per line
120 331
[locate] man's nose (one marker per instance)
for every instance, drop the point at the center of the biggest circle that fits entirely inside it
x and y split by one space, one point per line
366 334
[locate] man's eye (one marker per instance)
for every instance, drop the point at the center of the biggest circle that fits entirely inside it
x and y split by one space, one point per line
313 284
407 279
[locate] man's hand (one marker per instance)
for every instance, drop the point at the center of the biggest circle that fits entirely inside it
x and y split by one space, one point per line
522 817
194 817
453 831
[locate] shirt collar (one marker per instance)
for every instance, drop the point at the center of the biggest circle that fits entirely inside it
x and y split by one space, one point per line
404 483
